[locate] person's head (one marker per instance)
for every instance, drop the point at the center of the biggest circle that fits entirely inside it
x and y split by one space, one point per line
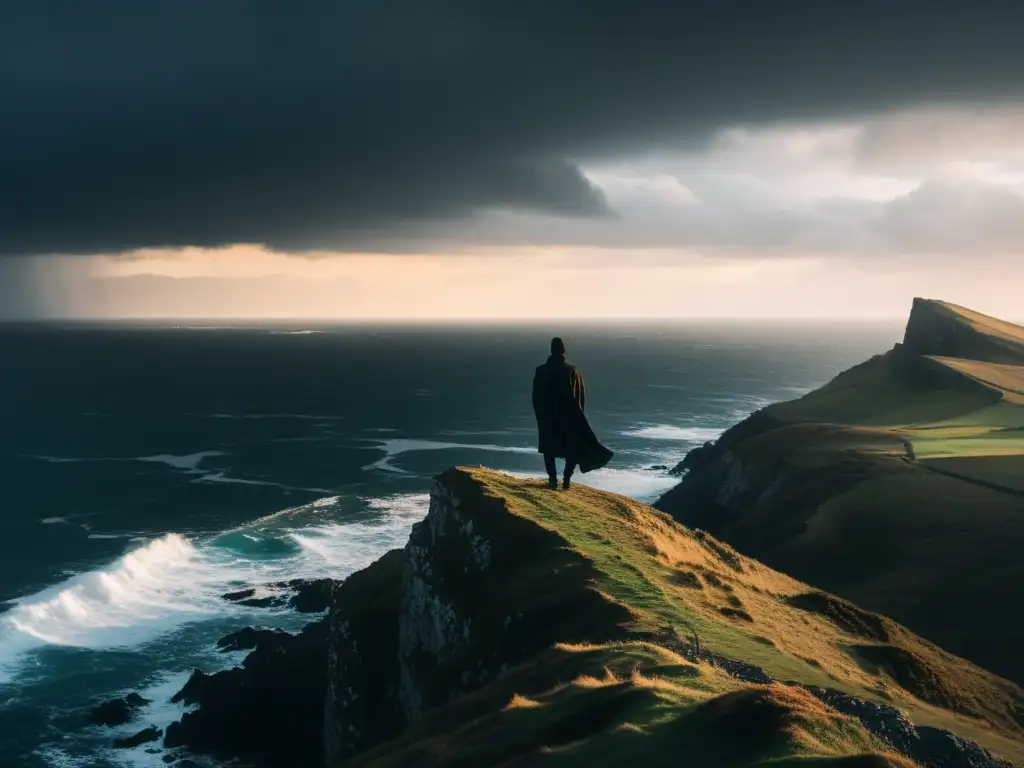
557 346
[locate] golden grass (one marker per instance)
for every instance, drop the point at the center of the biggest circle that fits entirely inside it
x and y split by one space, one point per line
1007 378
640 553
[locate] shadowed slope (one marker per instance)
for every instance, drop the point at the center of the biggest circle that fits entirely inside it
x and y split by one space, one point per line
897 485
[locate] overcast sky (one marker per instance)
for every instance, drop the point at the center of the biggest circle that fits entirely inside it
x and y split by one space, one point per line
537 158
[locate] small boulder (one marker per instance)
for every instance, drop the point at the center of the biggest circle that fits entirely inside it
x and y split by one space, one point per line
117 711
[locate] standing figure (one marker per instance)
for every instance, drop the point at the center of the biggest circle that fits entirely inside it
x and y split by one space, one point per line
558 402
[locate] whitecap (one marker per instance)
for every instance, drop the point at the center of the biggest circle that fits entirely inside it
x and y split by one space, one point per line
670 432
221 477
398 446
172 581
186 463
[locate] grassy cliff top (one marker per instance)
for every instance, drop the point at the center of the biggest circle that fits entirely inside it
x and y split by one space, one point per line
955 387
899 484
653 694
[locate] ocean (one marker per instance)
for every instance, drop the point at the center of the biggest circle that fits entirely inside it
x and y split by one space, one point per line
147 470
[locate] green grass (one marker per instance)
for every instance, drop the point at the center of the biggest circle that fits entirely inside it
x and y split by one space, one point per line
638 700
932 536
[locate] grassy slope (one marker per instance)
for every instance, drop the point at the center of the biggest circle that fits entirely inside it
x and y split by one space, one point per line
934 542
638 701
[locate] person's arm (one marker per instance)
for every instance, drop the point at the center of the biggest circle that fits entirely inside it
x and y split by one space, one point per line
537 400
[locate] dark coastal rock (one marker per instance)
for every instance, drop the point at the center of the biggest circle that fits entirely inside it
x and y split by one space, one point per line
311 595
247 598
142 737
424 626
241 594
270 601
117 711
658 468
308 595
249 638
692 458
269 710
928 747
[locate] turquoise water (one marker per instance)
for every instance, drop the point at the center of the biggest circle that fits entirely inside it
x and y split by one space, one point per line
149 470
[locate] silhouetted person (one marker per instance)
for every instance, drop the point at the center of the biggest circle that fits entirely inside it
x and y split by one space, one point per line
558 402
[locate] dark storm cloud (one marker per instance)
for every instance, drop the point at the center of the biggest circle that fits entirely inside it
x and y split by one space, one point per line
315 124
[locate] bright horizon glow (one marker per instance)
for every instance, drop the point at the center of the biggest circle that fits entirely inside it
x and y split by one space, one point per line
831 220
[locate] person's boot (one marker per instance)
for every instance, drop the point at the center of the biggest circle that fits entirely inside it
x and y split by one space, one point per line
553 483
566 483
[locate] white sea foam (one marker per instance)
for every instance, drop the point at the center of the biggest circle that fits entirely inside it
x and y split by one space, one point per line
173 581
220 477
186 463
398 446
669 432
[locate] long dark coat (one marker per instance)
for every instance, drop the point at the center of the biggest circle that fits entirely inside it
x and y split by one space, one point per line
559 398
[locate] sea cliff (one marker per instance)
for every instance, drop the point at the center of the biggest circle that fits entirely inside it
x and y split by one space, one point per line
522 626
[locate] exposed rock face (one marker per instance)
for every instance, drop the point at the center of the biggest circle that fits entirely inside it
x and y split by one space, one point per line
362 659
464 606
477 590
935 330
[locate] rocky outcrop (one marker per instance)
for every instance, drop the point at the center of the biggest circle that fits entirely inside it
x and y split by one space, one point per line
361 706
269 710
472 594
488 603
144 736
117 711
307 595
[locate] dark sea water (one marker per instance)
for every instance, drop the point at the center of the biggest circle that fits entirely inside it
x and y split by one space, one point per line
145 471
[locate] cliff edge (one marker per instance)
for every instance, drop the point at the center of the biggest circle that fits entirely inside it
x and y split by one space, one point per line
522 626
948 330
